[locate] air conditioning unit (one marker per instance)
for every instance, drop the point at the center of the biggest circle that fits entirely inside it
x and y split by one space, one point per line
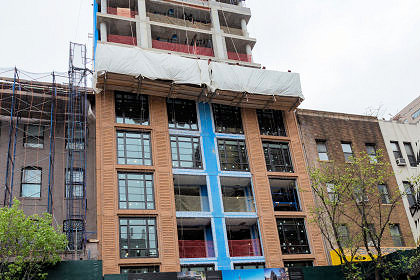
401 162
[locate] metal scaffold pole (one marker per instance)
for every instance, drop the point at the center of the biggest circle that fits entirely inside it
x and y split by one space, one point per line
76 143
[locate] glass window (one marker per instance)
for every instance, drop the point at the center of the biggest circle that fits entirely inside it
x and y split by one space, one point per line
136 191
396 235
347 150
139 269
186 152
237 194
277 157
182 114
416 114
197 268
284 194
293 238
298 263
73 229
409 192
383 191
410 154
191 193
371 151
134 148
131 108
74 183
249 265
370 234
396 149
34 136
31 182
227 119
232 155
321 146
243 238
343 233
360 195
138 238
271 122
332 194
75 136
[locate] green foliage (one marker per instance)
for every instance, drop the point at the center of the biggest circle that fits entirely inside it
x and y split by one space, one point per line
27 244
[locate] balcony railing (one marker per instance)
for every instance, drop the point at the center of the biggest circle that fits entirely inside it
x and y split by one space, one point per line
178 21
123 12
182 48
121 39
240 56
195 249
244 248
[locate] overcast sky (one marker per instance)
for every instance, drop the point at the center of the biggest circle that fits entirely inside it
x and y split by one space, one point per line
351 55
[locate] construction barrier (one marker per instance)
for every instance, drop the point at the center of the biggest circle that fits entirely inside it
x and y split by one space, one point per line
196 249
240 56
127 40
182 48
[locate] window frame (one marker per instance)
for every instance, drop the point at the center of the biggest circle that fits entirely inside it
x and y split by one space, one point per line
141 100
369 153
22 183
346 236
397 153
384 193
38 140
197 163
285 244
147 237
175 103
284 153
332 195
318 143
401 242
79 143
289 189
410 193
78 184
271 122
411 157
257 265
149 267
242 156
230 114
142 159
347 155
144 180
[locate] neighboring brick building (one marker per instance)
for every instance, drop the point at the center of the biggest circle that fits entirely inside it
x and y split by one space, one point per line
330 136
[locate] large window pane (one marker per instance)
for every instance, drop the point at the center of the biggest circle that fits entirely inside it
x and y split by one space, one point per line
227 119
138 238
347 150
321 146
182 114
191 193
131 108
284 194
271 122
237 194
34 136
134 148
410 154
74 183
186 152
232 155
136 191
293 238
277 157
396 235
31 182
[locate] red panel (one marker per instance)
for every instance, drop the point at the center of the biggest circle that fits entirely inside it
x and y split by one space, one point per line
244 248
113 11
240 56
195 249
128 40
182 48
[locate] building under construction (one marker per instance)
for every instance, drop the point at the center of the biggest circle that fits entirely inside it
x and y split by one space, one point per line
47 148
199 161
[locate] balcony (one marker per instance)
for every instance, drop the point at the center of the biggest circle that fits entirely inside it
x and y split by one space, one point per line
239 48
284 194
231 2
232 30
195 238
120 31
121 8
182 41
180 22
191 193
243 238
237 194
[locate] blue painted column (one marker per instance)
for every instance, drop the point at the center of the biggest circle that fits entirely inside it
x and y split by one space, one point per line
211 163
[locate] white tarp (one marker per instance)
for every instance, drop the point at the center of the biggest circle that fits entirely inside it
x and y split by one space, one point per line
216 75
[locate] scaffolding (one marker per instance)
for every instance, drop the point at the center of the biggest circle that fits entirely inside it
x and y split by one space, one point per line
46 115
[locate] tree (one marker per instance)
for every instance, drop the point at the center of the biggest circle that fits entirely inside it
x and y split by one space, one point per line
27 244
355 194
